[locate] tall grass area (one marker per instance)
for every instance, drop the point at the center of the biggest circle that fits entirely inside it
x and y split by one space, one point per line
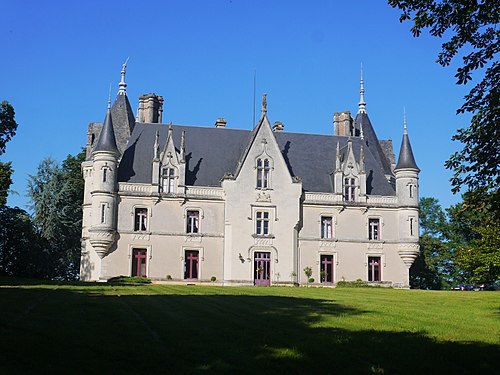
168 329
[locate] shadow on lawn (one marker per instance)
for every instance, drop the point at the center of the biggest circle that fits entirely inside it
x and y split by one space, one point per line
231 334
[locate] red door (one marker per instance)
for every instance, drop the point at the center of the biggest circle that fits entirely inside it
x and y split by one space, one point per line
262 268
191 262
139 262
326 271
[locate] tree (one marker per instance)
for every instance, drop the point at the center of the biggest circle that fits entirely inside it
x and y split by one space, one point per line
473 32
8 128
21 248
434 267
8 124
56 194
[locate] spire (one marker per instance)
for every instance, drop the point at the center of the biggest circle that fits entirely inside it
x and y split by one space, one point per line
107 140
264 104
123 86
362 104
406 159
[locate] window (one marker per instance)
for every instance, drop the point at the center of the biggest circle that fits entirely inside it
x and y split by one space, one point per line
262 228
373 268
411 190
141 219
374 229
349 189
411 226
104 174
103 213
263 171
326 227
168 180
193 222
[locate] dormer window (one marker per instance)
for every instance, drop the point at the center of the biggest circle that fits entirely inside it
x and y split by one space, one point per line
168 180
263 173
349 189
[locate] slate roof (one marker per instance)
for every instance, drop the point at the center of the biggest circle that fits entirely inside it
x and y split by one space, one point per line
406 159
212 152
107 141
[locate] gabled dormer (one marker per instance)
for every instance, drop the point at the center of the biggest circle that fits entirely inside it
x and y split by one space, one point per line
169 165
262 156
349 175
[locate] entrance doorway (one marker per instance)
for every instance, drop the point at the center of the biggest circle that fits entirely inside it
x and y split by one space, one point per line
262 268
139 262
326 268
191 264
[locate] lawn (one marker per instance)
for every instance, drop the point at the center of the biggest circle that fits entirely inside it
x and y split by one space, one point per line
169 329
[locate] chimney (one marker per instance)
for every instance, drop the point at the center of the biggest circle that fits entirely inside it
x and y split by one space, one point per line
220 122
150 108
343 124
278 126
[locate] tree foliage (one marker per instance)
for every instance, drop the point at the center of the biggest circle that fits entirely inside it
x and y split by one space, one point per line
8 124
473 34
56 194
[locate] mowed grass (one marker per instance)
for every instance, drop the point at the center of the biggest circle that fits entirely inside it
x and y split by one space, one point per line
168 329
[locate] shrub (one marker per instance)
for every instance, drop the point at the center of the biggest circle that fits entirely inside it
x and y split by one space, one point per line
311 279
127 280
169 277
355 284
213 278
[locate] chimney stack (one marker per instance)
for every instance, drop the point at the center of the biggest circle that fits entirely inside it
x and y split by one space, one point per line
150 108
221 122
278 126
343 124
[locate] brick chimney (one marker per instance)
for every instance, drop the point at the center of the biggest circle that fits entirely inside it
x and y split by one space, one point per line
343 123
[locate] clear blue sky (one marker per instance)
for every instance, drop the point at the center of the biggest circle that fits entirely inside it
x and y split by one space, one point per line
59 58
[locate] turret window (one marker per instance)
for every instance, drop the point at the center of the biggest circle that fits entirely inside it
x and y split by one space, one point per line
103 213
262 221
326 227
349 189
411 226
374 229
168 180
263 173
193 222
105 175
141 219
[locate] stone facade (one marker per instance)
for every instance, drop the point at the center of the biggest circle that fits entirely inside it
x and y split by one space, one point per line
256 207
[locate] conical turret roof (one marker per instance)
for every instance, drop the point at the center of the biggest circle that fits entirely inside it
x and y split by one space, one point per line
107 140
406 160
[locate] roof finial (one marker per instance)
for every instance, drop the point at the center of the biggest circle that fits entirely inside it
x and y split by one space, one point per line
123 86
109 97
362 103
405 130
264 103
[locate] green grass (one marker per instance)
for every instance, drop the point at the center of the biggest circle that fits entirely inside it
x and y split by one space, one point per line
167 329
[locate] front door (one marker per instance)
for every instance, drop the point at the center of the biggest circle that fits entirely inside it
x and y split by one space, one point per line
326 271
191 262
139 262
262 268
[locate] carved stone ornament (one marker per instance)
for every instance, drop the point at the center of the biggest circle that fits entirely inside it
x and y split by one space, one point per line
262 196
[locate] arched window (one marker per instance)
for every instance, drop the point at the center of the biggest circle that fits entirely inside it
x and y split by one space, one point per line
263 173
